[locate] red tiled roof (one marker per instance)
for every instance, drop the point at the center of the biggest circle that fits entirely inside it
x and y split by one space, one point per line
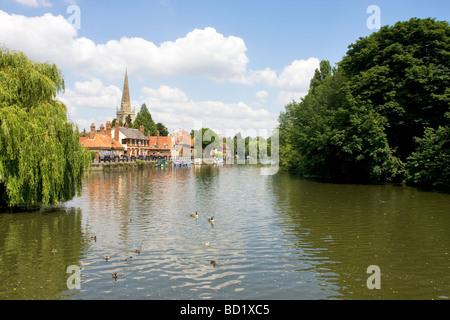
160 144
100 141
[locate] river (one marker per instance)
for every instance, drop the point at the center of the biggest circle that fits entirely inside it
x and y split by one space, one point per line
273 237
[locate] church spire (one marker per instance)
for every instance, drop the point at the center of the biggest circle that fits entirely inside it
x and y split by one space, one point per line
125 105
126 102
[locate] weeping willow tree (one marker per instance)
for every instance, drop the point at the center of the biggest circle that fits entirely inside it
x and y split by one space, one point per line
41 159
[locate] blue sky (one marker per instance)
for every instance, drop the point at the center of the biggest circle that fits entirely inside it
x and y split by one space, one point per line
230 64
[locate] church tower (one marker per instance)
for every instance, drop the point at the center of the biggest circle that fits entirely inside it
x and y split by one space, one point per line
125 105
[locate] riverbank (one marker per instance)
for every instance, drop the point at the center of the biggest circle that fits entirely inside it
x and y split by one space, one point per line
98 166
310 240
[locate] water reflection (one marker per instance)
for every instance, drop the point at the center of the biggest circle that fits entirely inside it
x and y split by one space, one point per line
274 237
402 230
28 268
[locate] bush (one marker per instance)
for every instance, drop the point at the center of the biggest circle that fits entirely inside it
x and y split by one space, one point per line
429 164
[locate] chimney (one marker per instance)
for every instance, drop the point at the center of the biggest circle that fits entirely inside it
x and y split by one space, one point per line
141 128
102 128
92 133
116 131
108 129
157 138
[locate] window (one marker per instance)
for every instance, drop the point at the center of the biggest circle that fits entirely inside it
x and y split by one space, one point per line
124 141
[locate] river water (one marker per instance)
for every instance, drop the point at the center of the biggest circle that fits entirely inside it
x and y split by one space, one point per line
274 237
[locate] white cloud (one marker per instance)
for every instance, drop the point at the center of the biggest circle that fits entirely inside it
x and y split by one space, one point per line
206 53
45 38
267 77
298 74
34 3
285 97
166 94
168 105
172 107
202 52
261 96
86 123
295 76
91 94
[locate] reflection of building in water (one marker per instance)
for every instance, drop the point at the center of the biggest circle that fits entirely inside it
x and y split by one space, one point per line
108 196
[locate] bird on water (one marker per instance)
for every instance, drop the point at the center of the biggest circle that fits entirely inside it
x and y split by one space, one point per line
194 215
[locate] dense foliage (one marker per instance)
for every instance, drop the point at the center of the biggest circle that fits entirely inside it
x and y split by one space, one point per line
41 159
383 114
205 138
144 118
429 164
254 148
163 131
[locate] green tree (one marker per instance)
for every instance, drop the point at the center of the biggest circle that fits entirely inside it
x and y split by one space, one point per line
41 159
381 114
330 135
208 138
128 121
145 118
290 158
163 131
320 74
404 72
429 164
113 123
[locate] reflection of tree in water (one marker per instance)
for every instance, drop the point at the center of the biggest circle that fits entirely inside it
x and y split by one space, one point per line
341 229
27 241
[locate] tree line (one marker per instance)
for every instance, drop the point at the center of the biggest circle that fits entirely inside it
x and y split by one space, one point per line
241 147
382 114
